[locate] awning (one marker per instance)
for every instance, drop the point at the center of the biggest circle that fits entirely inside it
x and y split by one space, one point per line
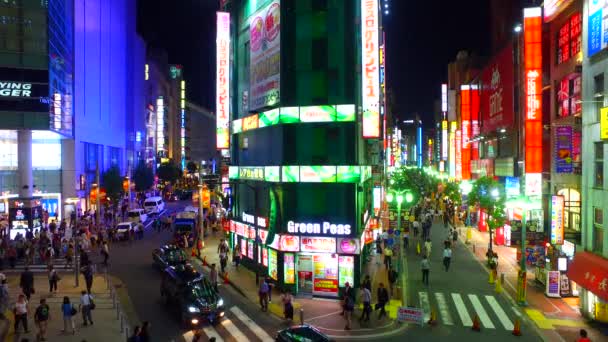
590 271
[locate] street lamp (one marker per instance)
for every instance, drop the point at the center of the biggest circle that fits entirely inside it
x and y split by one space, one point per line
398 195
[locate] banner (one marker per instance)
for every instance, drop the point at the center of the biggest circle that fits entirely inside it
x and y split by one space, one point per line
497 92
563 149
265 56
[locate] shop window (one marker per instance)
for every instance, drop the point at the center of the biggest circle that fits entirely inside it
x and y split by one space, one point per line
569 96
598 229
599 164
598 94
572 209
569 39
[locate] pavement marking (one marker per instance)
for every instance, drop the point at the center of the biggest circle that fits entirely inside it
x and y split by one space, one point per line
257 330
446 317
502 316
211 332
516 311
323 316
462 310
481 312
424 304
539 319
233 330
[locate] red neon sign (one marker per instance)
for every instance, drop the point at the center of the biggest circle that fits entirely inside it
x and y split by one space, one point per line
533 89
475 120
465 115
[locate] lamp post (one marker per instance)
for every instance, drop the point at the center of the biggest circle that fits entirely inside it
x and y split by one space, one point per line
398 196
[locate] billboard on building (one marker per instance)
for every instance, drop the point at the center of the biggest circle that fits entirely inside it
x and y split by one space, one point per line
222 81
497 92
597 34
533 89
265 56
370 69
465 128
563 149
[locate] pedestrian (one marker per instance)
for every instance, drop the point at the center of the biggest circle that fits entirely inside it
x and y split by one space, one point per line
41 318
427 247
388 256
416 225
454 236
347 292
367 283
366 298
383 298
86 307
4 306
26 282
426 267
349 307
213 277
144 334
392 279
263 294
269 289
287 299
12 256
447 257
223 250
236 256
135 336
20 311
105 251
69 311
87 271
406 239
53 279
583 336
69 255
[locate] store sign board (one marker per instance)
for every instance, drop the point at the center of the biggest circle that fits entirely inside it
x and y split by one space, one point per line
289 268
512 186
251 173
444 140
250 122
346 113
265 56
458 159
377 199
289 243
604 123
290 174
318 174
318 244
597 38
552 8
349 246
325 228
317 114
222 80
348 174
268 118
533 89
370 68
497 92
465 129
563 149
557 220
272 173
444 97
273 264
410 315
552 286
346 266
534 184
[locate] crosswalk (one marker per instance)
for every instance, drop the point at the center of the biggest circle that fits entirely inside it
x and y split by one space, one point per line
235 326
460 309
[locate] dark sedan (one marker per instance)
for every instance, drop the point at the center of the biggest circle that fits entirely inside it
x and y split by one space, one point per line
168 255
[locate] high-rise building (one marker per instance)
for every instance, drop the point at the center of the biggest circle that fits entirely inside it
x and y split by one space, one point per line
298 107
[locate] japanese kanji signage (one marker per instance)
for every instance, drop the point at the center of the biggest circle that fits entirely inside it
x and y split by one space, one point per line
590 271
222 80
533 89
370 73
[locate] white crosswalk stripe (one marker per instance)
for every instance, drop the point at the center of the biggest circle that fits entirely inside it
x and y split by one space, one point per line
425 305
211 332
462 310
444 312
481 312
259 332
233 330
500 313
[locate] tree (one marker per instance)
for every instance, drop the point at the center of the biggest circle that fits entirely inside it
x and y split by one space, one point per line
415 180
169 172
489 195
452 191
111 180
192 167
143 177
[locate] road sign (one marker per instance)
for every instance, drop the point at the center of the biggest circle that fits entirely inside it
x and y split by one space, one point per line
410 315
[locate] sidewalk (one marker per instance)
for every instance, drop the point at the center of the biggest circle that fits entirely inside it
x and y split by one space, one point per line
558 318
106 326
323 313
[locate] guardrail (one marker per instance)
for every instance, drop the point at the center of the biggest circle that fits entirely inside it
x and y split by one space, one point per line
125 326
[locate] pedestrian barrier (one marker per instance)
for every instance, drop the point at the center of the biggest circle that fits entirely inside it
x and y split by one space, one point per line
125 327
476 324
517 328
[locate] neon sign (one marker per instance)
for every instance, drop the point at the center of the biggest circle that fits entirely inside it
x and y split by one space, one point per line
160 124
318 228
533 89
370 69
465 114
222 80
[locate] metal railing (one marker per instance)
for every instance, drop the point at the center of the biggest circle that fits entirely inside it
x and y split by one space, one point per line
125 326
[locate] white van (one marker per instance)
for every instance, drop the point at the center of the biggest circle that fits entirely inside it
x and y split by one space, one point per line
154 205
137 216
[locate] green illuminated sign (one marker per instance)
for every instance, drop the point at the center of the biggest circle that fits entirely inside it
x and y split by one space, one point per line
289 114
237 126
290 174
251 172
348 174
269 118
345 113
318 174
272 173
317 114
233 172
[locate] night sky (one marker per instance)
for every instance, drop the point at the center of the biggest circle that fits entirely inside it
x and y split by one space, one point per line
422 38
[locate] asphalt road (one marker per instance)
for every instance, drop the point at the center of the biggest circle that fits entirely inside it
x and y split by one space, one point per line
133 265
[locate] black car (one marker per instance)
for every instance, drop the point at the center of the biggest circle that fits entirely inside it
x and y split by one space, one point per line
168 255
192 296
299 333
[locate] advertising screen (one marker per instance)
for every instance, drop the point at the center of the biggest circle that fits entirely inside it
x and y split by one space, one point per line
290 174
497 92
557 220
250 249
345 113
370 69
265 56
563 149
318 174
272 264
269 118
347 270
272 173
289 268
289 114
222 85
348 174
325 274
317 114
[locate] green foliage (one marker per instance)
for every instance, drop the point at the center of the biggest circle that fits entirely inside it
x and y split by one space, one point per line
143 176
111 180
452 191
169 172
481 195
192 167
415 180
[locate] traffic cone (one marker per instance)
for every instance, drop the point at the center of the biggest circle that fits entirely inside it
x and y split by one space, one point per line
498 287
226 281
476 326
517 328
433 318
491 279
418 248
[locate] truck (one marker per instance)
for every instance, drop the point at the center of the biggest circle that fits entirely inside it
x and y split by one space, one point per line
185 223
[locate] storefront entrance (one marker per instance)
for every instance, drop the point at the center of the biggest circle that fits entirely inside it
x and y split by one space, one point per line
305 269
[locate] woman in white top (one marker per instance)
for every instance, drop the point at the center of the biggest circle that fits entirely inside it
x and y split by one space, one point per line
20 312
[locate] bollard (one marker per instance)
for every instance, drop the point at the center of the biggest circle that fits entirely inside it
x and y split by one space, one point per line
113 294
127 332
122 323
502 278
473 248
117 312
301 316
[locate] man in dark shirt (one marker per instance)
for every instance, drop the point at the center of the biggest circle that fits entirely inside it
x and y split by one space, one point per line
26 282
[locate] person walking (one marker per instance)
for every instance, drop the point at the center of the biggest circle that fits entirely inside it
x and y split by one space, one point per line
392 279
213 277
388 256
269 289
87 271
26 282
236 256
383 298
583 336
447 257
349 307
367 283
223 250
427 247
366 298
53 279
144 334
406 239
20 311
69 256
425 265
263 294
105 251
347 292
68 311
86 307
41 318
135 336
287 299
4 306
416 225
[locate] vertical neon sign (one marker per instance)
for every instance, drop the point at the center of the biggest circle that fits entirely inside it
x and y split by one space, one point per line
533 89
183 123
160 124
465 126
475 120
222 80
459 154
419 146
452 156
444 140
370 73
